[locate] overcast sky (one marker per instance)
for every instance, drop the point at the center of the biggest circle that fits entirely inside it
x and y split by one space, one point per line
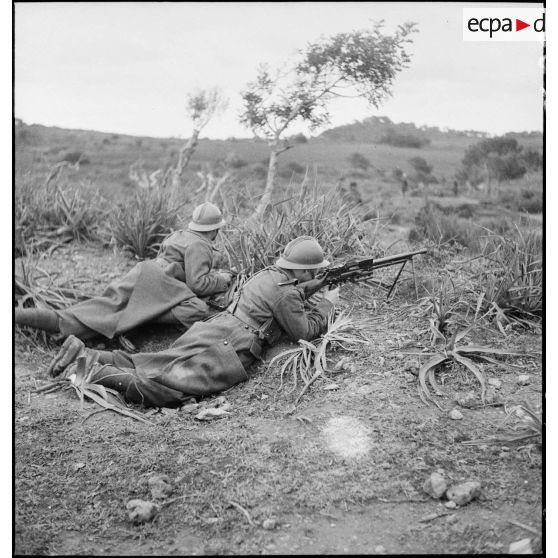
126 67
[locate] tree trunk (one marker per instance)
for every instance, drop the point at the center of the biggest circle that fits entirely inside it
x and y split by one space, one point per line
184 157
265 200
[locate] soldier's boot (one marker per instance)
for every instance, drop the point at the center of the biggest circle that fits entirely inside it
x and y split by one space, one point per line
71 349
38 318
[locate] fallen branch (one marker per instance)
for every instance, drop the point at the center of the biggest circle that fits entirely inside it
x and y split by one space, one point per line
241 509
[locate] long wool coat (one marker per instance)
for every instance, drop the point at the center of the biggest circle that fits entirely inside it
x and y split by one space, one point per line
181 271
214 355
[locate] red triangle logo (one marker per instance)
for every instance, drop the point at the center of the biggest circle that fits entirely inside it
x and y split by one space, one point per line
519 25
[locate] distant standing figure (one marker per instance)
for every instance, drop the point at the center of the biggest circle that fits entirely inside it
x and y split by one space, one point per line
404 186
355 193
165 290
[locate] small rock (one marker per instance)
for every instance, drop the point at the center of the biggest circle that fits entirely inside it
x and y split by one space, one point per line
467 400
264 397
521 547
381 361
495 383
269 524
189 407
342 364
78 466
435 485
523 380
212 414
331 387
379 549
464 492
365 389
140 511
352 369
450 504
451 518
455 414
160 486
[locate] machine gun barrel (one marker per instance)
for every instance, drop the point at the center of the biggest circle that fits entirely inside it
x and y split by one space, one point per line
397 258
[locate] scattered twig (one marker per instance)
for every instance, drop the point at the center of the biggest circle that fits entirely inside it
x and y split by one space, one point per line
241 509
433 517
526 527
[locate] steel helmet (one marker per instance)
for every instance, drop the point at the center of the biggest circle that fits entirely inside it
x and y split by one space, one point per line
303 252
206 217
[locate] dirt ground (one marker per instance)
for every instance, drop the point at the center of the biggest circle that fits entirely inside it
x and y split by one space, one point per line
342 473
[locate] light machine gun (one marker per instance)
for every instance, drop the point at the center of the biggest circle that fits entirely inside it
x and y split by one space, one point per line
358 271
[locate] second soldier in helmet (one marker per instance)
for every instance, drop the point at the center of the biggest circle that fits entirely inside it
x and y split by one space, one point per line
164 290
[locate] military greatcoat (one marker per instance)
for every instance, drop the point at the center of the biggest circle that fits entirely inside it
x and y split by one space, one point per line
215 354
181 273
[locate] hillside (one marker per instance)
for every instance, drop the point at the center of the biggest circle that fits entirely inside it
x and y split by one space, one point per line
107 157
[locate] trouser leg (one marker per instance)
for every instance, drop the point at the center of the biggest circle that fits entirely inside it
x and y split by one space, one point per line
186 313
137 389
38 318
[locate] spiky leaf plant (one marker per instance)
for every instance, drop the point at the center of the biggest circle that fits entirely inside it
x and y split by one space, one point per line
308 361
140 225
453 352
512 282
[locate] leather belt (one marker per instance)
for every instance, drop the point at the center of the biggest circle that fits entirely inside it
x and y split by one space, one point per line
245 319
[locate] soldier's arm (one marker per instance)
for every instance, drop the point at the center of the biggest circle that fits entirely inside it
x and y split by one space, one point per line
297 321
198 258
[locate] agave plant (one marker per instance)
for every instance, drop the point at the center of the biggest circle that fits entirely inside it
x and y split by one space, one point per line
308 361
453 352
513 282
83 382
140 225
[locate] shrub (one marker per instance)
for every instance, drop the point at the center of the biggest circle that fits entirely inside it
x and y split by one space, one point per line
74 157
432 224
233 161
252 246
359 161
291 168
140 224
420 165
299 138
403 140
525 201
260 171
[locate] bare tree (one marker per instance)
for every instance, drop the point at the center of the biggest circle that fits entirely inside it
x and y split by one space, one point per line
356 64
201 107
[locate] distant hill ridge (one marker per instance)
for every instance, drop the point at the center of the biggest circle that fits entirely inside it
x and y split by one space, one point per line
376 129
